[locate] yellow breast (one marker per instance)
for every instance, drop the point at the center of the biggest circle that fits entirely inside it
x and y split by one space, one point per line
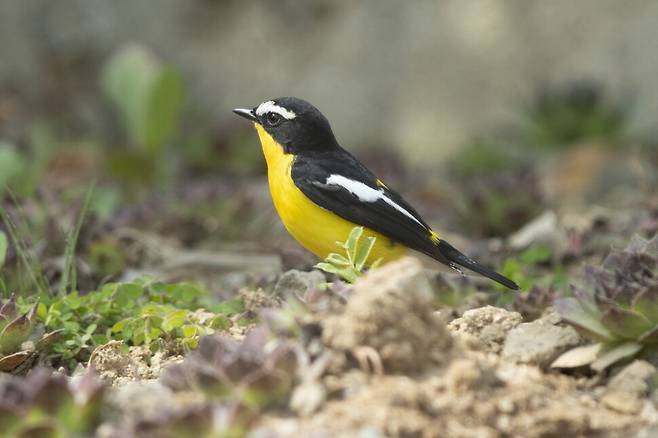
314 227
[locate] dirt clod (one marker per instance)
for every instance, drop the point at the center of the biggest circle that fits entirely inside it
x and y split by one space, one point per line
489 324
296 283
390 311
119 367
538 342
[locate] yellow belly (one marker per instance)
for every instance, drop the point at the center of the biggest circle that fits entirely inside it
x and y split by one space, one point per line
314 227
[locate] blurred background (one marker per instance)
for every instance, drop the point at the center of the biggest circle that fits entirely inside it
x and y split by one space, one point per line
488 115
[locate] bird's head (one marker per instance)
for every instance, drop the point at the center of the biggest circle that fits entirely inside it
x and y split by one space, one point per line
294 123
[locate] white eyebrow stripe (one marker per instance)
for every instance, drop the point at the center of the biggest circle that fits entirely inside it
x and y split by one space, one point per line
271 107
365 193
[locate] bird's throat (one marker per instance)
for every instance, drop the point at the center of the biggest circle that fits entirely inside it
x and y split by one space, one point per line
273 151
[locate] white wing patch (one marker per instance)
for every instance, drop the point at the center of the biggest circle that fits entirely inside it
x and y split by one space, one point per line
365 193
271 107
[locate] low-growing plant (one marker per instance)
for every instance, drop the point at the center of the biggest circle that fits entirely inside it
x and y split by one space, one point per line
241 378
28 272
533 302
617 308
538 288
148 96
143 311
562 114
350 266
47 404
19 338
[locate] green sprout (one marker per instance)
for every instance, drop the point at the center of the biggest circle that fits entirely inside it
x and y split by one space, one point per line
350 266
617 308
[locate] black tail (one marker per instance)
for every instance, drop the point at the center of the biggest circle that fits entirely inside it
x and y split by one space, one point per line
457 258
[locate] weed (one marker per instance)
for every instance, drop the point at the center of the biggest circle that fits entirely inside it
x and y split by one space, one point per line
144 311
617 308
350 266
148 97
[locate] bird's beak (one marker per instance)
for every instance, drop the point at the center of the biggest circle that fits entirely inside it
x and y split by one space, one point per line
246 113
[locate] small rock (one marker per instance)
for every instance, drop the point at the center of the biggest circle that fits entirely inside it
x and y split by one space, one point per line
111 363
626 390
143 400
538 342
256 299
489 324
622 401
635 378
296 282
464 375
543 229
649 432
117 367
307 398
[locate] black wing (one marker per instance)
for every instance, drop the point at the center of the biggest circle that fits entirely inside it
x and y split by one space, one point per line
384 211
340 183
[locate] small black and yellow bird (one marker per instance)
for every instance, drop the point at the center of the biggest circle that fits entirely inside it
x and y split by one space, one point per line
322 192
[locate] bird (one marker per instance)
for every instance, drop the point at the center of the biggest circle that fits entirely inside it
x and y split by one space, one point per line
321 191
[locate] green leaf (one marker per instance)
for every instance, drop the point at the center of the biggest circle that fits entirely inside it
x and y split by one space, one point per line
71 326
3 246
73 300
48 339
189 330
14 334
536 254
646 303
220 322
363 252
173 320
182 293
352 242
12 165
571 311
127 294
229 307
119 325
331 269
151 310
127 81
100 339
164 105
337 259
327 267
615 354
348 274
625 324
151 334
42 311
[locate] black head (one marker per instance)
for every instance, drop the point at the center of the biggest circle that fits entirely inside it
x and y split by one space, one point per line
294 123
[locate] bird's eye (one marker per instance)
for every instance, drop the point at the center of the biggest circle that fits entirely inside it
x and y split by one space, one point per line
273 119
